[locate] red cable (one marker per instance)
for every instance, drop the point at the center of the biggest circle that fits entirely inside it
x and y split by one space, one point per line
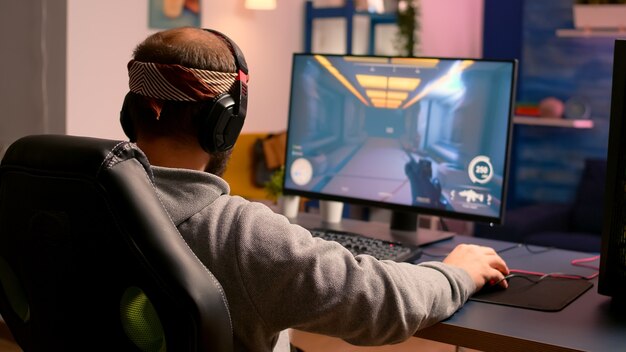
582 262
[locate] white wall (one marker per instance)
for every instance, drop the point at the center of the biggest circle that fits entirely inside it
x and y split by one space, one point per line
102 35
452 28
32 69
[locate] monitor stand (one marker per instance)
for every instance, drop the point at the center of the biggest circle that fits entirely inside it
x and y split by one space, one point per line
403 228
403 221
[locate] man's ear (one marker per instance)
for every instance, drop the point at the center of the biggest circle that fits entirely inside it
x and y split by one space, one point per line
156 107
137 105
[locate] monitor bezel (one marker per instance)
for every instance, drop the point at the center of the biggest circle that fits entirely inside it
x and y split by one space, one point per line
609 282
411 208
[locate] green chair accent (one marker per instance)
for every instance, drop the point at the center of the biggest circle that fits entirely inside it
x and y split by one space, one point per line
14 291
141 322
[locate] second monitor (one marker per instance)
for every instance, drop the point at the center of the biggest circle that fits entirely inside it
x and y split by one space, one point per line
423 135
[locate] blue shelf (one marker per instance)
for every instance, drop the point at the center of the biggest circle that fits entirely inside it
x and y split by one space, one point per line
348 12
554 122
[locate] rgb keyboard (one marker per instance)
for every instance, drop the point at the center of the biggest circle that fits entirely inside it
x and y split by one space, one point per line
358 244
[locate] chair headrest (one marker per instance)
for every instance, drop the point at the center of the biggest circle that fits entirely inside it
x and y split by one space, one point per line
72 154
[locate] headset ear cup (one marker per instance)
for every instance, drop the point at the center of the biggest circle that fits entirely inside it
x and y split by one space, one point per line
126 121
219 128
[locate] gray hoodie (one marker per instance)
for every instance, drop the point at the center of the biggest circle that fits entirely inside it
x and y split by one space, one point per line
277 276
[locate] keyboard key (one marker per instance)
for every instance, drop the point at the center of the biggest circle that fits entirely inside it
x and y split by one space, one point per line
358 244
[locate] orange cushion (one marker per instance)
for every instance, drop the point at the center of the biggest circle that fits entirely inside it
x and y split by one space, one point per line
239 173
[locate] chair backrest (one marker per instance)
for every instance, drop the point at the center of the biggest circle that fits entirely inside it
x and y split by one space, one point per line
89 258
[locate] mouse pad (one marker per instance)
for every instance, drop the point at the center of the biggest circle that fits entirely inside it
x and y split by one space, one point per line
549 294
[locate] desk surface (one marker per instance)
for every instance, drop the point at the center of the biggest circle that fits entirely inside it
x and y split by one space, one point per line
587 324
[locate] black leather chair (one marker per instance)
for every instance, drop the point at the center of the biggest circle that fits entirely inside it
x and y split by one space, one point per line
89 258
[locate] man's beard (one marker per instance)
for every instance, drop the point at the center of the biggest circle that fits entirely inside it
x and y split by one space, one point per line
219 161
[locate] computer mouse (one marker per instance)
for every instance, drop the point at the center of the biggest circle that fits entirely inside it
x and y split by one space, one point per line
493 286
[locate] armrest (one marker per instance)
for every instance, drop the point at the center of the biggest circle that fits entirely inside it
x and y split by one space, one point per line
526 220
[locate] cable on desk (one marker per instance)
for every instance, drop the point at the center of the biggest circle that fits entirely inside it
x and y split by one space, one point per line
528 248
516 275
523 274
554 275
515 246
582 262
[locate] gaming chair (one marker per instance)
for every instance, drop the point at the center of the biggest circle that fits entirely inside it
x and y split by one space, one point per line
89 258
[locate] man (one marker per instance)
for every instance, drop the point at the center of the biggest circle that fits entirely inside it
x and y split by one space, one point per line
275 275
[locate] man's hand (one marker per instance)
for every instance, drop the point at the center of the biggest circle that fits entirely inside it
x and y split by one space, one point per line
483 264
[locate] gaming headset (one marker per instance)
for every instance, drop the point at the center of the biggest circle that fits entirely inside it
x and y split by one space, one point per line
221 119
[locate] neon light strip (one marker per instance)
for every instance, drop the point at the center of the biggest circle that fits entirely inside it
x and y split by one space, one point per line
324 62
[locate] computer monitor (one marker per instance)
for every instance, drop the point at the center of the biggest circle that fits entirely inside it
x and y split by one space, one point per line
612 279
415 135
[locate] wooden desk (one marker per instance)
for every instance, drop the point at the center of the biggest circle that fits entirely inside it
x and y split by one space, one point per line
7 343
587 324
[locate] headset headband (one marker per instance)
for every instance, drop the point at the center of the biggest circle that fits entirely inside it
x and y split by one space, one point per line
241 82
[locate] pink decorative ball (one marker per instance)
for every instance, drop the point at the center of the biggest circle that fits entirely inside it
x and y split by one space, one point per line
551 107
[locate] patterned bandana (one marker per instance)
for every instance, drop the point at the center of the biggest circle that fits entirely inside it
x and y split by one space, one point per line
178 83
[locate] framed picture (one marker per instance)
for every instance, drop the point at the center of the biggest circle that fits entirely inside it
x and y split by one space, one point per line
164 14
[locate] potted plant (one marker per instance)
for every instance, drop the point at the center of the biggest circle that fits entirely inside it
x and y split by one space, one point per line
600 14
407 38
287 205
274 186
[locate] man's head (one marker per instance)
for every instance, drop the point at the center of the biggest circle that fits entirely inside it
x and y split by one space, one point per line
188 88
